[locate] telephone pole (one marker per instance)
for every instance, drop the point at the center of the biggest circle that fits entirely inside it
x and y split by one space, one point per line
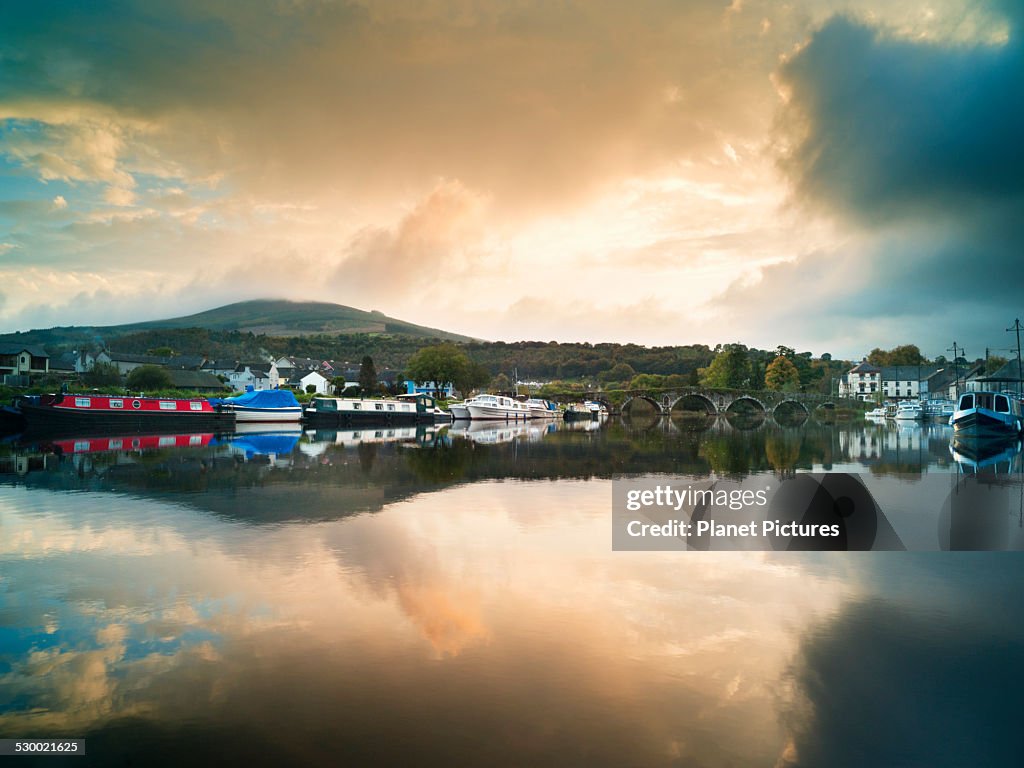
956 364
1016 327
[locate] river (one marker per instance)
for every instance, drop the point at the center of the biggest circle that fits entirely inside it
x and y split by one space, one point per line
451 597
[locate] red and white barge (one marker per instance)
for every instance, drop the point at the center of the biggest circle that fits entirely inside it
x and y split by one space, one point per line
124 415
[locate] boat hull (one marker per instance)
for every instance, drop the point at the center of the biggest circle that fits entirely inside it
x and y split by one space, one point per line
459 411
980 423
571 415
335 419
244 414
47 419
496 413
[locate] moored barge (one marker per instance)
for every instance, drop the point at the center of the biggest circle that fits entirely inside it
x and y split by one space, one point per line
117 414
354 412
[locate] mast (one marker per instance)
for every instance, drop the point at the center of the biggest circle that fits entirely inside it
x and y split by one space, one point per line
1016 327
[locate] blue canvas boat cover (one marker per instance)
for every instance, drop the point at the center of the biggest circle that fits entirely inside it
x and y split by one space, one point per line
267 398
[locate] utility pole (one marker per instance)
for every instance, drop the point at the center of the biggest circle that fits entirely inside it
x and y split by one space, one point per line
956 365
1016 327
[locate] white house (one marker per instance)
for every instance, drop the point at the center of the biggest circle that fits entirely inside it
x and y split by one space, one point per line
302 380
863 382
259 376
900 382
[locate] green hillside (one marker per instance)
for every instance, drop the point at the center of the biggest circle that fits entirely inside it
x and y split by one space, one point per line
268 317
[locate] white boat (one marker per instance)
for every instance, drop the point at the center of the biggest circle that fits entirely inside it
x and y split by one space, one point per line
542 409
496 408
263 407
909 410
597 409
458 410
876 413
986 415
939 409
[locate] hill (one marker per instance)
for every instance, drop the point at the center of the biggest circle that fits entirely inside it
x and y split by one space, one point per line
261 317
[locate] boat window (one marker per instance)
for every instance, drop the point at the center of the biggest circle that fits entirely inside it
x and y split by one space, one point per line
983 400
1002 404
115 445
168 405
379 406
391 407
325 405
117 403
195 406
357 406
82 402
966 402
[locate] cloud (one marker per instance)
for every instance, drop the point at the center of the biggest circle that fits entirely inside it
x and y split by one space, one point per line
912 148
427 245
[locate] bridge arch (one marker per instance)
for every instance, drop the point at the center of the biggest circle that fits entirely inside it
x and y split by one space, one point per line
645 398
705 402
750 399
788 404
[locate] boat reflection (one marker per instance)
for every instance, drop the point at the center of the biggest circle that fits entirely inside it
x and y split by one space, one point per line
489 433
986 456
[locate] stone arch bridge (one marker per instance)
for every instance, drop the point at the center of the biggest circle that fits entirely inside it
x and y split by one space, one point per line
721 401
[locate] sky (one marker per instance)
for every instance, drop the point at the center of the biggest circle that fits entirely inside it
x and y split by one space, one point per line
832 175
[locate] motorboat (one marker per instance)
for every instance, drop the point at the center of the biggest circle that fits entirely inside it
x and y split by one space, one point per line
352 412
909 410
986 415
458 411
497 408
542 409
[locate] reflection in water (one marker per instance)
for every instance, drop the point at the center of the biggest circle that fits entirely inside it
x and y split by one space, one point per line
427 596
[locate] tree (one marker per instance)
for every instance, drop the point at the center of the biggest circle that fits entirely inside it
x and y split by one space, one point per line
475 376
149 377
994 363
441 364
619 372
367 375
103 375
782 375
907 354
501 383
730 368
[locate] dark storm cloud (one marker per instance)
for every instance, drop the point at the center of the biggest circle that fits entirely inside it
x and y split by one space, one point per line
896 128
934 682
915 147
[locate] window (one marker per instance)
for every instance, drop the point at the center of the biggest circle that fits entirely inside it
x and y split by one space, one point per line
116 403
357 406
1002 404
82 402
391 406
115 445
168 405
378 406
195 405
966 402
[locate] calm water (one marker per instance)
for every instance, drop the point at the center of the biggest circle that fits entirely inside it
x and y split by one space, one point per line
451 598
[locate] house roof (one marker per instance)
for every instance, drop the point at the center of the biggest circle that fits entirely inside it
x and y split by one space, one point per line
64 362
124 357
16 349
1009 372
865 367
183 379
908 372
186 362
